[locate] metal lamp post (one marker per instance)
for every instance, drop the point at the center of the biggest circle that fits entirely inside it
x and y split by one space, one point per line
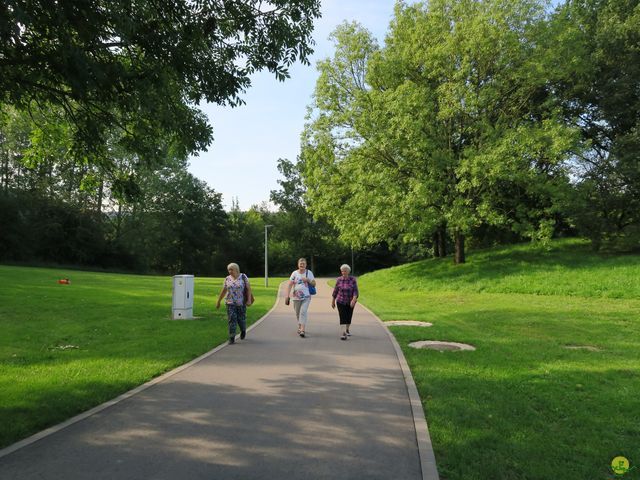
266 256
353 265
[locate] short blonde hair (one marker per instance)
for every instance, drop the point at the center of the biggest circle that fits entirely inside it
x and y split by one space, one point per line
302 259
345 267
235 266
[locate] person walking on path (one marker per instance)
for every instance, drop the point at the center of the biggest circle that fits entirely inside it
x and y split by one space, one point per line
345 294
237 290
299 281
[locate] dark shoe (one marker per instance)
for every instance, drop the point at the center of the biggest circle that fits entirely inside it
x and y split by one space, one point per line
232 340
302 334
243 334
343 337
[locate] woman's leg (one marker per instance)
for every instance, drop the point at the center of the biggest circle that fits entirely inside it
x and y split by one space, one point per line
232 317
343 312
349 317
242 320
304 307
296 308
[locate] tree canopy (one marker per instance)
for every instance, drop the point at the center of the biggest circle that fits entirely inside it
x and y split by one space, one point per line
601 96
143 67
450 126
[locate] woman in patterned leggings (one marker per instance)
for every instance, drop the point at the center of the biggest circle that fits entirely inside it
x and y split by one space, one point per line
234 289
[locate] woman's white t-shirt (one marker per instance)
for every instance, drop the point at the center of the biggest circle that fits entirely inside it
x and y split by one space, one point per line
300 288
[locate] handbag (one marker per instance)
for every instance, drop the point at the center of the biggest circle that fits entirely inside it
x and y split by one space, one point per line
312 289
245 292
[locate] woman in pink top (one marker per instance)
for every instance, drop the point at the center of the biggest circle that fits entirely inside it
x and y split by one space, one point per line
345 295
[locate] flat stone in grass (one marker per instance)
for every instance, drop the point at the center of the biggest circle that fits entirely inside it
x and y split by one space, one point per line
582 347
442 346
409 323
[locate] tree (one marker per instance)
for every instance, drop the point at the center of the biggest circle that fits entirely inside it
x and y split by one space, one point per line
142 68
245 243
15 131
123 215
601 96
175 224
297 227
450 126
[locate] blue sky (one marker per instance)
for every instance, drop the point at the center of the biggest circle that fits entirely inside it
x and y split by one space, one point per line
242 161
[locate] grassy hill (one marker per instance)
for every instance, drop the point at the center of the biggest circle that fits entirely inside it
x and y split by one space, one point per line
523 405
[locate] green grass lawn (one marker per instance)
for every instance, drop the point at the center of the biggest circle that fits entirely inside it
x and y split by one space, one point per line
522 406
67 348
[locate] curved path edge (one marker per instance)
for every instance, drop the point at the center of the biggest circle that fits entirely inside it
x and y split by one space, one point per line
423 439
140 388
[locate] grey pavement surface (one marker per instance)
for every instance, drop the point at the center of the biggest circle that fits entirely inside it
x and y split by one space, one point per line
274 406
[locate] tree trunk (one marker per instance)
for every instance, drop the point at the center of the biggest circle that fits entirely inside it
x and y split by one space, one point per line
5 171
440 242
459 255
100 197
118 220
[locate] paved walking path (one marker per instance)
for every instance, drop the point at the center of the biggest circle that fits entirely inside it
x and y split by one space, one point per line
274 406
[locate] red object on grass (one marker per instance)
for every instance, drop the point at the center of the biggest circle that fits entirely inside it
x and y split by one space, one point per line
64 281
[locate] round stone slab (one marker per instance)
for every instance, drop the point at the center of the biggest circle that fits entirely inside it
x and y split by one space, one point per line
582 347
442 346
409 323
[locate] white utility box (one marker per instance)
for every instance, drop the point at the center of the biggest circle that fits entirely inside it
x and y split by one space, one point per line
182 307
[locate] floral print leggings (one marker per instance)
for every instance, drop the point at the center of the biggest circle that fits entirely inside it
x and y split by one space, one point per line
237 315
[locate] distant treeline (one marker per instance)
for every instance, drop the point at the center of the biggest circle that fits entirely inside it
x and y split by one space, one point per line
165 221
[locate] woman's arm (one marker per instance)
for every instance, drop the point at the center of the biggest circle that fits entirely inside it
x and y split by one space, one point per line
247 285
356 293
222 294
311 281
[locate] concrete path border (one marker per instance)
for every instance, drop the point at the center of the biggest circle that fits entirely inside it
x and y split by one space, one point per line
425 447
110 403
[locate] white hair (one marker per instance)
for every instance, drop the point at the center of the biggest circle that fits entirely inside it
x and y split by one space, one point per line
346 267
234 266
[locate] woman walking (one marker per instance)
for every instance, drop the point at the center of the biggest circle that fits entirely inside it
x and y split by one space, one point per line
299 281
236 289
345 294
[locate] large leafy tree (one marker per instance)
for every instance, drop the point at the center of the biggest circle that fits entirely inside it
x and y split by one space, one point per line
142 67
450 126
601 93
